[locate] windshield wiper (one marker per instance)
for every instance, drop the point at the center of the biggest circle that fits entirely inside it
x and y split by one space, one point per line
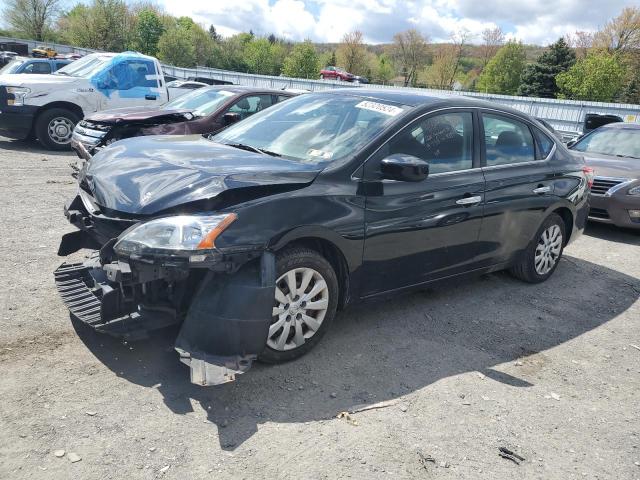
625 156
250 148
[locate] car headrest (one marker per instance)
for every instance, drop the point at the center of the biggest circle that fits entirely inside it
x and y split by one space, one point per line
243 104
509 139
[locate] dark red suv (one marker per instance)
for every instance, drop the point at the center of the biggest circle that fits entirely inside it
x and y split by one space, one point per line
336 73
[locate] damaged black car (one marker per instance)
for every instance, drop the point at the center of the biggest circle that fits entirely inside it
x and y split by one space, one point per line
252 239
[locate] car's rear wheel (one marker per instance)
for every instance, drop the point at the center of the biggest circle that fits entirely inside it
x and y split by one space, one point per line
543 254
54 128
306 298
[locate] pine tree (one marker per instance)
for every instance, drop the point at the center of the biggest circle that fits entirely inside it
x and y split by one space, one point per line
539 78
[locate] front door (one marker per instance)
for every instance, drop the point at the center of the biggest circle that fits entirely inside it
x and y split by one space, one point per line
130 83
417 232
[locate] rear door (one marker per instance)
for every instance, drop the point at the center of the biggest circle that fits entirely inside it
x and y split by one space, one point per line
519 184
416 232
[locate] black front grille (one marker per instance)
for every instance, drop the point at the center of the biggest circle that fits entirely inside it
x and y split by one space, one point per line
602 185
95 126
598 213
3 97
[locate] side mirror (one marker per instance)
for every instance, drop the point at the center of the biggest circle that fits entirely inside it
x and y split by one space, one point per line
230 118
404 168
571 143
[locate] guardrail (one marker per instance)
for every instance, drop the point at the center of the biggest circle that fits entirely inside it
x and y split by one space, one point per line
566 116
31 44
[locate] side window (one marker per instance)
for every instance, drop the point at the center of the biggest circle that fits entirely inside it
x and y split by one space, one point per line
38 67
282 98
507 140
444 140
130 74
247 106
60 65
545 144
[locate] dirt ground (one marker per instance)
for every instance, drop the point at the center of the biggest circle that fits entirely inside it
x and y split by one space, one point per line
548 371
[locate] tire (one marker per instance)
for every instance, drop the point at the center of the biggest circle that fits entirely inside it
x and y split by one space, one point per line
292 332
548 243
54 128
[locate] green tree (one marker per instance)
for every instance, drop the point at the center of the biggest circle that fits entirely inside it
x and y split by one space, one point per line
502 73
104 25
31 18
597 77
302 62
175 48
539 78
385 71
264 57
149 29
215 36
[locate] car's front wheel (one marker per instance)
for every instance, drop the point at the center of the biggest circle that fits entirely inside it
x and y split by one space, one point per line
54 128
306 298
543 253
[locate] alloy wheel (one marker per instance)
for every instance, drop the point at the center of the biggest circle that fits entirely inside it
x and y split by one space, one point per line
301 303
548 250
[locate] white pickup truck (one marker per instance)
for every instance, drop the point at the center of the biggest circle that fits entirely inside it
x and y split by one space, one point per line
48 106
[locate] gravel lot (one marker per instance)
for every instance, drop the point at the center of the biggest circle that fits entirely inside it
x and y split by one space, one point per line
548 371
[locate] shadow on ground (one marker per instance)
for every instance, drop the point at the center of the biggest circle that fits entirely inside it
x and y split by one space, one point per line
30 145
605 231
380 351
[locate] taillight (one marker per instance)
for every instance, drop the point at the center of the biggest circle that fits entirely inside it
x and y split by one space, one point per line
590 174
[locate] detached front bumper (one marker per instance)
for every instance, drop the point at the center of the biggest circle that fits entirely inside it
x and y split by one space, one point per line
224 306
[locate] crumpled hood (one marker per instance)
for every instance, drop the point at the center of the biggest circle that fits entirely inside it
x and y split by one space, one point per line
612 166
134 114
146 175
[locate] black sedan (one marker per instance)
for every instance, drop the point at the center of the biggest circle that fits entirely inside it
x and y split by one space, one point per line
254 238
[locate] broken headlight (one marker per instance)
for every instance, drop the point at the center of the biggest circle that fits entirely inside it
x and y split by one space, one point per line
187 233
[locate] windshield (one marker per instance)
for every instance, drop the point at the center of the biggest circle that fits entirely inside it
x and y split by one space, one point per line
85 67
314 128
12 66
623 142
200 102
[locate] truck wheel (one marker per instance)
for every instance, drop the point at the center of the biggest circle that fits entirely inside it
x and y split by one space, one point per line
305 304
54 128
543 253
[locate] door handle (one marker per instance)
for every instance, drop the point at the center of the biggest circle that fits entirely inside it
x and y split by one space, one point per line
469 200
150 97
541 190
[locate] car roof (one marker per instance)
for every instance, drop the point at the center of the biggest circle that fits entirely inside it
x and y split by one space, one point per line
415 98
625 125
244 89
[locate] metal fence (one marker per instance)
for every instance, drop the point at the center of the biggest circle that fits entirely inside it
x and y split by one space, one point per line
31 44
566 116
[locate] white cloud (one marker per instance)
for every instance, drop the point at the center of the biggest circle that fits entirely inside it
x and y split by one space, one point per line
534 21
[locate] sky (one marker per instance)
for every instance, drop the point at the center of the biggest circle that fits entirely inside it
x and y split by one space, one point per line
531 21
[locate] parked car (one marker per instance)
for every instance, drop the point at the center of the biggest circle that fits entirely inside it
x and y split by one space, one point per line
6 57
40 66
613 151
253 238
187 84
359 79
69 56
49 106
336 73
206 110
44 52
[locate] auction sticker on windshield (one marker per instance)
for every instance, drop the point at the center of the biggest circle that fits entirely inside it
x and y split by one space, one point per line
380 107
